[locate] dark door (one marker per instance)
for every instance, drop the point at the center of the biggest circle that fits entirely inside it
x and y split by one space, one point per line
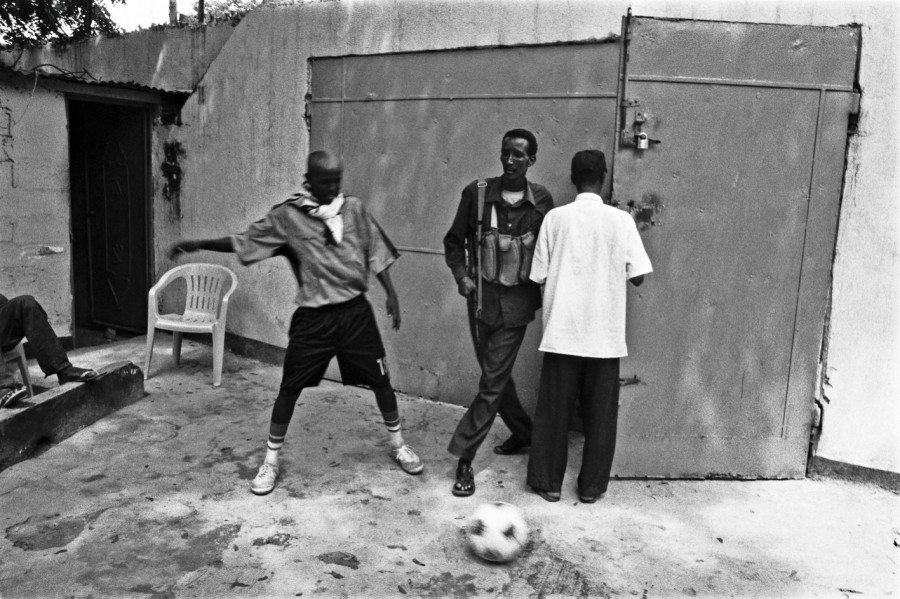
110 205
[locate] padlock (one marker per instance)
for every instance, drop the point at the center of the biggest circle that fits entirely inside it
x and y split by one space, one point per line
642 141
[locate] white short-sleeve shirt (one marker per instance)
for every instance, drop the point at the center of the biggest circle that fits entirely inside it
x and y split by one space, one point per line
586 252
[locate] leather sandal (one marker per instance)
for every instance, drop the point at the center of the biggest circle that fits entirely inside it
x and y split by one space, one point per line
73 374
465 480
511 446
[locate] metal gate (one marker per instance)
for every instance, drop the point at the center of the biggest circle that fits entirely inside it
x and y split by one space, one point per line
737 204
413 129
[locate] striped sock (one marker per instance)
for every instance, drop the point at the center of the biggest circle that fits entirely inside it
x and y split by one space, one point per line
392 422
275 442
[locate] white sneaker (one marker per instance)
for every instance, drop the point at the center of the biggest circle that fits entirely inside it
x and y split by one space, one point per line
265 479
408 459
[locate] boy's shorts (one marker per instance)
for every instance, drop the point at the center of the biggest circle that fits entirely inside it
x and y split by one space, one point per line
347 330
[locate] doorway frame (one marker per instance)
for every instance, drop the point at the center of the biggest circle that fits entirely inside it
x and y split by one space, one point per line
147 107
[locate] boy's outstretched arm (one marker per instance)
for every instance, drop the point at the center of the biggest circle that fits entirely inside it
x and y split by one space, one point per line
393 303
186 246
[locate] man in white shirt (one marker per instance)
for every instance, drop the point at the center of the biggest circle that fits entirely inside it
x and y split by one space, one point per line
585 253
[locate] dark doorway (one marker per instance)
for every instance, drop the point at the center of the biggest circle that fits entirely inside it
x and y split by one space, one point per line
110 208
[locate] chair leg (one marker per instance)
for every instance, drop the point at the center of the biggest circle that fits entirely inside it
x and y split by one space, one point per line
148 352
176 347
26 378
218 354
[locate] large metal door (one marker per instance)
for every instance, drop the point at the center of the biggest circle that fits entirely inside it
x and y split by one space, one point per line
738 203
110 191
413 129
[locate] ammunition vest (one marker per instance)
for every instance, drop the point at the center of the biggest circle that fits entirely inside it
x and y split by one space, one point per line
506 259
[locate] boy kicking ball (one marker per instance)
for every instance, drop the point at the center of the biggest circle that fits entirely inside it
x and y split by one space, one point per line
332 243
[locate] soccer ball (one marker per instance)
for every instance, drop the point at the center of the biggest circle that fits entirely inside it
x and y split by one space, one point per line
497 532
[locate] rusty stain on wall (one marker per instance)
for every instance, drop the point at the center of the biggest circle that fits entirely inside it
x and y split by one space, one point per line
6 141
172 173
646 213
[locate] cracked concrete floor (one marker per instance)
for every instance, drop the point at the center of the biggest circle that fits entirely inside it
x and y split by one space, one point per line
152 501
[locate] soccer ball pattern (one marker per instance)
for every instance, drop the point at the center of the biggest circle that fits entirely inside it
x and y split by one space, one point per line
497 532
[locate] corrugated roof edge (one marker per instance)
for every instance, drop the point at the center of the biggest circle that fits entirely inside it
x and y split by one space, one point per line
88 79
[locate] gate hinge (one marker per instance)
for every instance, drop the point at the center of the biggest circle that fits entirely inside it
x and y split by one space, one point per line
631 102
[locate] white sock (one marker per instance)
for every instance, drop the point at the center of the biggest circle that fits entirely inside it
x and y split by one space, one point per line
396 438
272 457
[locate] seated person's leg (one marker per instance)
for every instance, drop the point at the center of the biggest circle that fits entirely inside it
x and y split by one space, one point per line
24 317
10 391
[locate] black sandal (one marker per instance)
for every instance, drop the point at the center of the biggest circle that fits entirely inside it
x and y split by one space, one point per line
465 480
511 446
73 374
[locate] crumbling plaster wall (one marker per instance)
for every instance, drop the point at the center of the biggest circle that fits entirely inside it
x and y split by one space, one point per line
169 58
35 256
245 140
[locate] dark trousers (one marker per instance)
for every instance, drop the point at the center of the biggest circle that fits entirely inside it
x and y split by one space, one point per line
564 380
347 330
496 393
23 317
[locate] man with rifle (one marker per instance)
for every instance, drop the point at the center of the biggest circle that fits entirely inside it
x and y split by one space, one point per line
489 248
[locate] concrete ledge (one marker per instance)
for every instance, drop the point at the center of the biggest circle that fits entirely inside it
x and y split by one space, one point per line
251 348
54 415
825 468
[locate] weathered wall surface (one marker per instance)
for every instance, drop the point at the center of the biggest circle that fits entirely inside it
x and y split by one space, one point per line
861 393
244 138
34 200
171 59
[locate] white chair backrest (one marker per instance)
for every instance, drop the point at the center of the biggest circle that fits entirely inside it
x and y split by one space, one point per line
207 286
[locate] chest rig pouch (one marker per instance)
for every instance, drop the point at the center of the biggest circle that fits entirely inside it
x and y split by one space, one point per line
505 259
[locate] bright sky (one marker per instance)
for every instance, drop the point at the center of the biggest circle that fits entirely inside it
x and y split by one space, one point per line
144 13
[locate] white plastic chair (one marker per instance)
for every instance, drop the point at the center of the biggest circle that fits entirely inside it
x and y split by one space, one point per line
17 356
208 288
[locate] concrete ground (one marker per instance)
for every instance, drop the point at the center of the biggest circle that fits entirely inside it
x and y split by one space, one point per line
152 501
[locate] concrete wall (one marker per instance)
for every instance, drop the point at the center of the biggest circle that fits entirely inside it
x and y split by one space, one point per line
35 257
244 138
164 58
861 384
34 150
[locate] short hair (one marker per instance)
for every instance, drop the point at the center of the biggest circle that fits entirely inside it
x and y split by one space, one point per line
527 136
588 166
322 160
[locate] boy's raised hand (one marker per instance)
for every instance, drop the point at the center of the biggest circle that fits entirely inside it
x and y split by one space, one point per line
179 248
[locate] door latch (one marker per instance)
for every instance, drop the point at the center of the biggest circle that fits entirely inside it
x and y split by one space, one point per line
637 137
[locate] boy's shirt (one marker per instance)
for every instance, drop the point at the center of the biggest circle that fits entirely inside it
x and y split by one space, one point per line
585 254
327 273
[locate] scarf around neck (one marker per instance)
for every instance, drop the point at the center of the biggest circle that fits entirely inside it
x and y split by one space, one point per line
330 214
